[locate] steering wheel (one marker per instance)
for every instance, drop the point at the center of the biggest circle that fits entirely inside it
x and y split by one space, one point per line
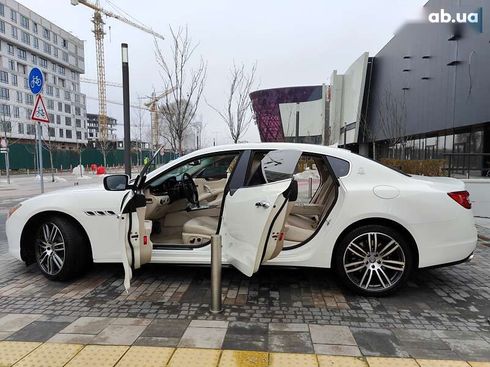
190 189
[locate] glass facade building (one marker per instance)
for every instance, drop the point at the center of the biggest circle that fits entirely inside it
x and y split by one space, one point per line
293 114
434 81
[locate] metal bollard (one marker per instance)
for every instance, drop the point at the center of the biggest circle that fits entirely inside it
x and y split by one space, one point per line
216 274
310 187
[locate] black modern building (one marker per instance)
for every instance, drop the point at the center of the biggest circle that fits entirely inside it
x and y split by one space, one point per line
427 92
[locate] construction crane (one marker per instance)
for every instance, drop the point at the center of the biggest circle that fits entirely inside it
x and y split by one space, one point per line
94 81
153 107
99 52
120 103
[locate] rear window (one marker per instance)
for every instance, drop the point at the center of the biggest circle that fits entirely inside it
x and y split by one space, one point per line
279 165
339 166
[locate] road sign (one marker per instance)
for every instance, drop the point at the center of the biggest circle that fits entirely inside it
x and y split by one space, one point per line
3 143
39 113
36 80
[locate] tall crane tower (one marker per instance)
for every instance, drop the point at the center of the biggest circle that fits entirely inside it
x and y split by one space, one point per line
152 105
99 52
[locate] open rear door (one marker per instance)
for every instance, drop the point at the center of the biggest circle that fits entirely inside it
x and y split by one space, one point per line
135 234
254 217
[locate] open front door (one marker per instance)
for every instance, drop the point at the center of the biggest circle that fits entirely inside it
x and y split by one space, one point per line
254 216
135 234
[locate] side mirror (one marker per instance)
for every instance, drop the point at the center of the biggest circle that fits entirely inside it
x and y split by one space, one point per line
116 182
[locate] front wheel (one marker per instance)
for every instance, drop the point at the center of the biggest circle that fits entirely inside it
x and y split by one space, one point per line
373 260
61 250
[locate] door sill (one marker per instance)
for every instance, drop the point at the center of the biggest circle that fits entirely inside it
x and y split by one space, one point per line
171 246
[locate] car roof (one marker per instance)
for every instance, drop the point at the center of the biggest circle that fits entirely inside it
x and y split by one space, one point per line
311 148
295 146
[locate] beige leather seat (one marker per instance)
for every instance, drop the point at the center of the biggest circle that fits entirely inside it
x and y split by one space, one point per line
199 230
300 227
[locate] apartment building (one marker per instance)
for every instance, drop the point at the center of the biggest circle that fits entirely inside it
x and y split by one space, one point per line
28 40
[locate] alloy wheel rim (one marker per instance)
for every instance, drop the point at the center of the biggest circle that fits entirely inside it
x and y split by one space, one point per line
374 261
50 249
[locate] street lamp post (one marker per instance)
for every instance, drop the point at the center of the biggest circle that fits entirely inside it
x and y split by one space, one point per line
127 127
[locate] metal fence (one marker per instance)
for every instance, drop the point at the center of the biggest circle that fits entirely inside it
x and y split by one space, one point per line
468 164
24 157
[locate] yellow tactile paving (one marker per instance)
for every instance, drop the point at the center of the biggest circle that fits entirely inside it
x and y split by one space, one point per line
30 354
240 358
292 360
50 355
98 355
189 357
441 363
146 357
339 361
391 362
11 352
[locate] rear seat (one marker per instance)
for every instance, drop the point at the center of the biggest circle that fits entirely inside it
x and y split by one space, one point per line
300 227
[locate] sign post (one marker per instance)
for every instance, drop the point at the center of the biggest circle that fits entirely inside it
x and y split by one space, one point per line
39 114
4 149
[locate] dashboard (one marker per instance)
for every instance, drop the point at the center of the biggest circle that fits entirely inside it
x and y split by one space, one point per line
171 187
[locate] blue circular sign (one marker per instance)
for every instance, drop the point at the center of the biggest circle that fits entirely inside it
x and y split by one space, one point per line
36 80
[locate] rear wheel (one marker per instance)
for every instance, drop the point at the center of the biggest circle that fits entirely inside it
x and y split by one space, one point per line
373 260
61 250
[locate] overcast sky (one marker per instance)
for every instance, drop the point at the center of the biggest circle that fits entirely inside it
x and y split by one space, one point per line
293 42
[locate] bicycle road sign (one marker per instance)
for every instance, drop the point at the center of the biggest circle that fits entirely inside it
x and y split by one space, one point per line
39 113
36 80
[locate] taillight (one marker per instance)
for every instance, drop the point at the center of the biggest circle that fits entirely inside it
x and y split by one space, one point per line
462 198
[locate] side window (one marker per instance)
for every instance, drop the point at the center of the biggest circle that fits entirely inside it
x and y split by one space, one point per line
217 169
279 165
254 174
273 166
213 167
339 166
308 174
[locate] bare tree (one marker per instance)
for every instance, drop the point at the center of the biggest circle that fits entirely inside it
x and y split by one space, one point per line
80 148
179 107
237 113
142 133
392 115
369 134
105 146
50 146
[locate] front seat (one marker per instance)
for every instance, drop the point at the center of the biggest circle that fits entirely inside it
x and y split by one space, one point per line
199 230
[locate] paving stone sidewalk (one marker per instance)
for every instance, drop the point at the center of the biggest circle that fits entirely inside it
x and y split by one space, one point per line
441 313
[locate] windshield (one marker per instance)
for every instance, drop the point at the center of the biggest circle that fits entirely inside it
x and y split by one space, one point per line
215 166
148 167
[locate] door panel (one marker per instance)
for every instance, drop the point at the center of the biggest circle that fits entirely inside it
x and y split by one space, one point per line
134 234
254 217
247 217
209 190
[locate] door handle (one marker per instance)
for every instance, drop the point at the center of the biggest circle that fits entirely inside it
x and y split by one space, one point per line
263 204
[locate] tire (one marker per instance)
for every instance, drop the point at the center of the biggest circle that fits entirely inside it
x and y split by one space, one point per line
62 251
373 260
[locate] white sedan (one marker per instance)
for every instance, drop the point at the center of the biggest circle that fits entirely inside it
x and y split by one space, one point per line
272 203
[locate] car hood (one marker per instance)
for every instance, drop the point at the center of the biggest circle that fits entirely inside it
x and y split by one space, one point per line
447 184
77 188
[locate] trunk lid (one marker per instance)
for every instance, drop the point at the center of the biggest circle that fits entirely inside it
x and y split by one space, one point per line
447 184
